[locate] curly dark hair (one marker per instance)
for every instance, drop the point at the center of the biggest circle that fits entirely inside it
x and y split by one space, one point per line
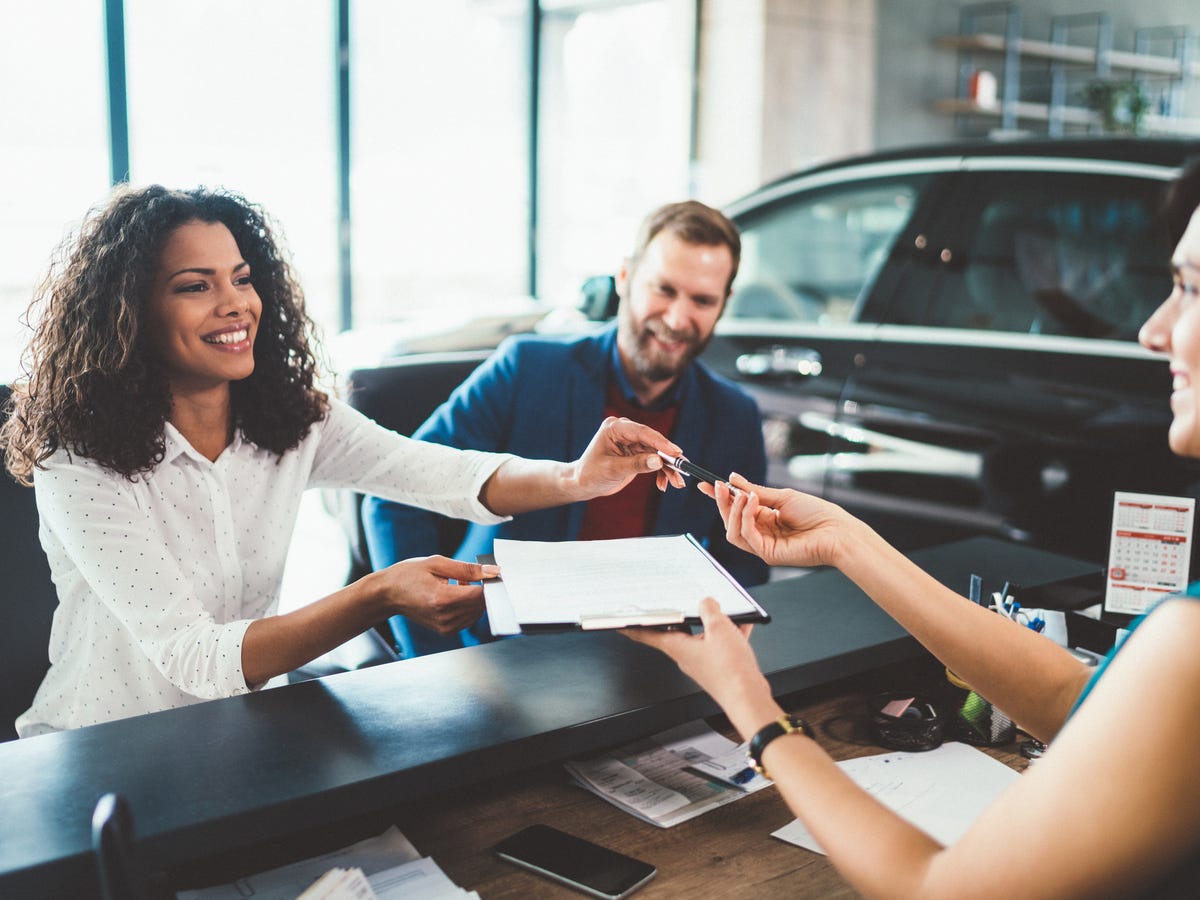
92 384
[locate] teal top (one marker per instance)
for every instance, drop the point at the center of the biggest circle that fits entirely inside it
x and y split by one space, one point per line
1193 590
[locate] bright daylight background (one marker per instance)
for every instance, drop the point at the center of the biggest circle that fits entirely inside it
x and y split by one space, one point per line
241 94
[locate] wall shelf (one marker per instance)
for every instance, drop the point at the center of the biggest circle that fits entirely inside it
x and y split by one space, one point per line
1067 53
1063 64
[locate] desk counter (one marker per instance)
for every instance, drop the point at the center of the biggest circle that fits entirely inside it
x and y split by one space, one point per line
216 776
727 852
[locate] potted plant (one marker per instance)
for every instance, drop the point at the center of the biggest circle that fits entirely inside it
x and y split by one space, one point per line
1122 105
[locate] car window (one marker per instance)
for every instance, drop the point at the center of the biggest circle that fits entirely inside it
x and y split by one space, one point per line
1077 255
810 256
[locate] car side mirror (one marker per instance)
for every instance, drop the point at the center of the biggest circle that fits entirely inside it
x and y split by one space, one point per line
598 298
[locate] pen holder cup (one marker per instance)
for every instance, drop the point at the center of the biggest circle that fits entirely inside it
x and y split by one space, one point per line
976 720
902 720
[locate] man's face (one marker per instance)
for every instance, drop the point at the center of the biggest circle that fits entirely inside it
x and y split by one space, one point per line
670 304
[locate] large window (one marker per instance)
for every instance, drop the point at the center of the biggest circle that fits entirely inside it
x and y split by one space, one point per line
53 144
243 95
440 149
615 130
240 95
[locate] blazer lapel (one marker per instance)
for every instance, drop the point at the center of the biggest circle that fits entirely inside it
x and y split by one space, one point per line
586 388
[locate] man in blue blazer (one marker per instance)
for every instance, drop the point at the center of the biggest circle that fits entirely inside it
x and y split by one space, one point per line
543 397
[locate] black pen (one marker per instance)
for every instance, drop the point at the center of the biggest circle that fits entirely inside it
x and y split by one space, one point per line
685 466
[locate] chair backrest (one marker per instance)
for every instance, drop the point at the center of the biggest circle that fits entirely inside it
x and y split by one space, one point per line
401 395
27 600
120 874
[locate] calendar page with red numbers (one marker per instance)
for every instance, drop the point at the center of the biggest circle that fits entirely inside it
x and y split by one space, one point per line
1150 549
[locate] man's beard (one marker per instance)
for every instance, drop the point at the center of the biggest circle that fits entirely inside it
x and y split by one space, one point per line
650 365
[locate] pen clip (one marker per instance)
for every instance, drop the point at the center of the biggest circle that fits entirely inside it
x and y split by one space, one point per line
599 621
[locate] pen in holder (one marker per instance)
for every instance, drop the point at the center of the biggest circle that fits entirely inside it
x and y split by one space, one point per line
978 721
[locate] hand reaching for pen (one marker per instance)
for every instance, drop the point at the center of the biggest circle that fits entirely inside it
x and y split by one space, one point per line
783 526
620 451
420 589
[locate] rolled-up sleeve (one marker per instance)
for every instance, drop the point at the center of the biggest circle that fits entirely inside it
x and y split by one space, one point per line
357 453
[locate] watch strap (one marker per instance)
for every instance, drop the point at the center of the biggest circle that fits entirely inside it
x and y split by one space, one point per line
783 725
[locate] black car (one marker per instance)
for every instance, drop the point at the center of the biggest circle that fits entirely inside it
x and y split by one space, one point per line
944 341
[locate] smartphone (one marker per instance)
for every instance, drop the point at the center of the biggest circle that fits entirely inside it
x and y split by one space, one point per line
575 862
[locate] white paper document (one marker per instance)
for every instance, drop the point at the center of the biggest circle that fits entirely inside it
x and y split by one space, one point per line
605 584
340 884
655 779
941 791
420 879
392 865
1150 550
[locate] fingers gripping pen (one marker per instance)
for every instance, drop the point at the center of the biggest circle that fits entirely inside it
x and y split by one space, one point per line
685 466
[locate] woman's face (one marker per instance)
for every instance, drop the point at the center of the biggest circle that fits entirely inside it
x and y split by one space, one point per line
203 311
1174 329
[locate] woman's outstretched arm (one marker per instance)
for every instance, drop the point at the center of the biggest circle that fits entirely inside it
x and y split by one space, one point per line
1031 678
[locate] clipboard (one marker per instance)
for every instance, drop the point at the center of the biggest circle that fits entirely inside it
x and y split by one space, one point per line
538 599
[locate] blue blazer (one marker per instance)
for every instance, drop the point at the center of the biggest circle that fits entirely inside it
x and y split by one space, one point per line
543 398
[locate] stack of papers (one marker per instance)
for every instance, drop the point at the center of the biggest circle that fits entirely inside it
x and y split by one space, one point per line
567 585
341 884
671 777
391 868
941 791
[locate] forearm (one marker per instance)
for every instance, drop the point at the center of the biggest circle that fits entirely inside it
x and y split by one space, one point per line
843 817
279 644
1023 673
879 853
522 485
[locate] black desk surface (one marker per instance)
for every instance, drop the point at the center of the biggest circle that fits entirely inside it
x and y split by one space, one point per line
227 773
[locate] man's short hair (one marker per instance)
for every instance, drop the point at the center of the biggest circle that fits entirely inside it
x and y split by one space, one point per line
695 223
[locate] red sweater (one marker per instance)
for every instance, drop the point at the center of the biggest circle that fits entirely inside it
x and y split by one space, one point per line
630 512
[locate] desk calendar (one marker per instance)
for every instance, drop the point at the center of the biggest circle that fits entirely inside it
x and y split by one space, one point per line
1149 552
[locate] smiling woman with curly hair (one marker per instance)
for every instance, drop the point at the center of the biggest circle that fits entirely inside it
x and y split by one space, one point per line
96 385
169 425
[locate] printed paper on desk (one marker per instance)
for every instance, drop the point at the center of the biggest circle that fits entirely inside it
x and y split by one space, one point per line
609 584
415 878
655 779
941 791
1149 552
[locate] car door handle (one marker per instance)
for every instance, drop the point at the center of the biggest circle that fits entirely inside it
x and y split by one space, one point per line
776 362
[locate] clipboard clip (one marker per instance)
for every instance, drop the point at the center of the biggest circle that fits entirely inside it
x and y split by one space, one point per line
633 617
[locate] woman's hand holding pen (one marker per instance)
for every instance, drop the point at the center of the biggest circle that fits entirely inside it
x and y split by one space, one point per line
621 450
783 526
722 662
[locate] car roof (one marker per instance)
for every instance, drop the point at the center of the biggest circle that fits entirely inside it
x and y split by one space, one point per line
1165 151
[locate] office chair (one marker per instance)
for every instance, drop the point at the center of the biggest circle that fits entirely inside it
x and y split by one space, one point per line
27 600
399 395
120 874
